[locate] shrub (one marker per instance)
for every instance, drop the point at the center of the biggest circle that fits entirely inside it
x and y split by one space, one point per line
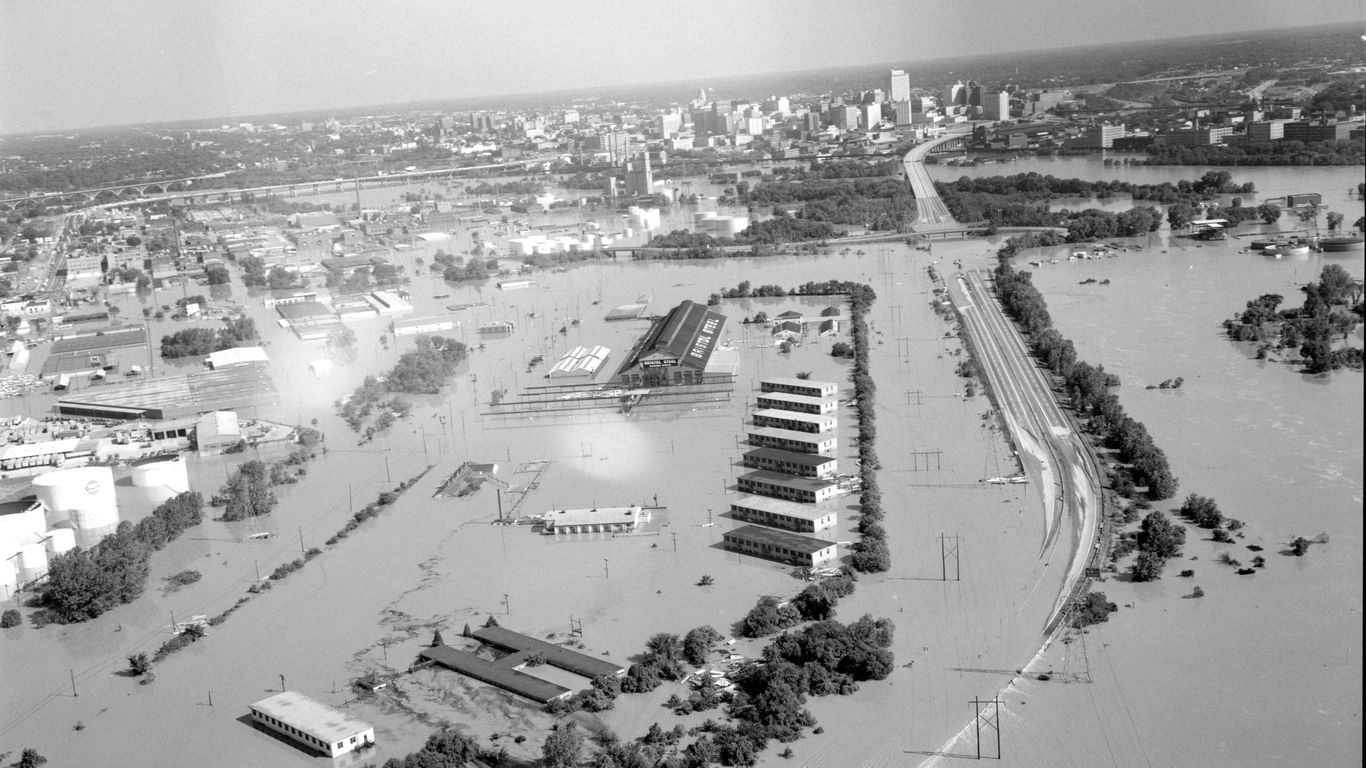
10 618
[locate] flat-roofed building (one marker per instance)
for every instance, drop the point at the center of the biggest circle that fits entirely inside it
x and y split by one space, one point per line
785 547
595 520
788 515
790 462
803 387
227 358
241 386
797 403
312 723
418 325
580 363
807 490
797 422
791 440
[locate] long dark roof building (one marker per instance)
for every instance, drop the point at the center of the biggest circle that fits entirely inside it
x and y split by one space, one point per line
677 349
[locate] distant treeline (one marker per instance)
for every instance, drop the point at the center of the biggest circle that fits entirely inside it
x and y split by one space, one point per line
1265 153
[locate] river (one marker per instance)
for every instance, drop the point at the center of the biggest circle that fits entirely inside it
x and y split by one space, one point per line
1281 452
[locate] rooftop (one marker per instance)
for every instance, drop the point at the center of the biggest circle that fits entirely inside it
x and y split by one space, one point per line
494 673
785 508
793 457
311 717
776 538
813 484
555 655
688 333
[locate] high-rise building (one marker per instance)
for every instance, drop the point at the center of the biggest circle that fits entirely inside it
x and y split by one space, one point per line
1102 136
869 116
974 94
956 95
898 86
640 179
996 105
844 117
902 112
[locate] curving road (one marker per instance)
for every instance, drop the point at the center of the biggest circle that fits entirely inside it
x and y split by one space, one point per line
929 209
1061 461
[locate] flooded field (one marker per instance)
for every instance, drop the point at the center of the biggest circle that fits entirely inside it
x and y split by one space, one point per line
1278 451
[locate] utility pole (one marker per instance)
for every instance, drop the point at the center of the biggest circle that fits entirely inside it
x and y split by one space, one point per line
507 606
945 552
675 535
73 682
282 681
992 721
302 550
605 572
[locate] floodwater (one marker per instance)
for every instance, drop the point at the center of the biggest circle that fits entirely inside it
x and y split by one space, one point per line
1277 451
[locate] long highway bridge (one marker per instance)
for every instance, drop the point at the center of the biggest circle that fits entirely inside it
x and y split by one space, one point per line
1053 452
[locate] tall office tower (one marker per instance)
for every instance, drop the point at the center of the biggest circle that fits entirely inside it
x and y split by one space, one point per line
898 86
870 115
955 95
996 105
974 94
902 112
640 179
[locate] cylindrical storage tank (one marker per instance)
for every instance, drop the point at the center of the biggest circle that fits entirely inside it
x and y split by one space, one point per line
60 540
82 495
21 522
162 472
32 562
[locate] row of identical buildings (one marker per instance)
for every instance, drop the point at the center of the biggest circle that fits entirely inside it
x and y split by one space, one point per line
788 494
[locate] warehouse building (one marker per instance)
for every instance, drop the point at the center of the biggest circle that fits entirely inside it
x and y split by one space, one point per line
790 462
807 490
420 325
804 387
595 520
788 515
797 422
790 440
679 349
312 724
242 386
782 401
785 547
227 358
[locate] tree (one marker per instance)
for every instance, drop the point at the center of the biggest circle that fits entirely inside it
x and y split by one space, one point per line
1269 213
218 275
10 618
563 747
436 639
139 664
30 759
1202 511
1157 534
1180 215
697 644
1299 546
1334 220
1147 567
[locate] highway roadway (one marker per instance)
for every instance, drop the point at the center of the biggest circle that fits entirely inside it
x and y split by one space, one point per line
929 209
1055 456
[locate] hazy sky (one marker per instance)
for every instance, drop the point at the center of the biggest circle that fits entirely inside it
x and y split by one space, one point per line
78 63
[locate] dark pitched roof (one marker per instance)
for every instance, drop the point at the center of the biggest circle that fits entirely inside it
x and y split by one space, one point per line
689 332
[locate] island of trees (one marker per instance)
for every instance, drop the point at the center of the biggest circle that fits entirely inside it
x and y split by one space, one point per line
1332 310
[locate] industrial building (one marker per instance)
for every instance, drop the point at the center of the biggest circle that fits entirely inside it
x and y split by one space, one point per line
791 440
799 403
595 520
678 349
580 363
227 358
804 387
788 515
797 422
312 724
414 326
783 546
790 462
557 656
242 386
807 490
501 673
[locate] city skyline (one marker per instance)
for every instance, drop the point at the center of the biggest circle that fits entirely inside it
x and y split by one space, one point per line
68 66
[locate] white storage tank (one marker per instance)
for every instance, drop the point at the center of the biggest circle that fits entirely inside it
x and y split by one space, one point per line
167 472
82 495
60 540
32 562
21 522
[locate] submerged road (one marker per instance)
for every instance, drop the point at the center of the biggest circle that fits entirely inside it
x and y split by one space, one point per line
1066 469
